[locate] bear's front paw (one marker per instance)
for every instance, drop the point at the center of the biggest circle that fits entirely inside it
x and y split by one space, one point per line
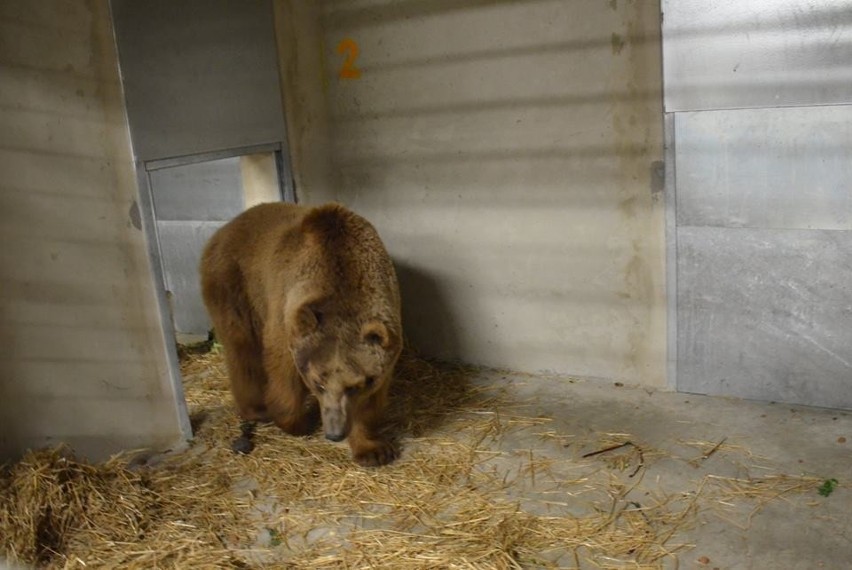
374 453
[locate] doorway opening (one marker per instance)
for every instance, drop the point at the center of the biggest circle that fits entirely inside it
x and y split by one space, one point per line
194 196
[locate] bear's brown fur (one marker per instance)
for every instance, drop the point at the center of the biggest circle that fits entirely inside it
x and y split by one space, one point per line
305 302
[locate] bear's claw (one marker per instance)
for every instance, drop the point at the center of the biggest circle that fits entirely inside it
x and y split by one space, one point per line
376 453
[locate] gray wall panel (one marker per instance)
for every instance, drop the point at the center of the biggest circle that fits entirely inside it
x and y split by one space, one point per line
181 246
199 75
765 168
205 191
756 53
766 314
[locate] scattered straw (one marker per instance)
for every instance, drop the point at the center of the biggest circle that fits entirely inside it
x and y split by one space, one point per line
454 500
57 511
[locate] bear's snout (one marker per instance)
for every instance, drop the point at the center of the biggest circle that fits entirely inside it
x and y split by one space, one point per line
334 424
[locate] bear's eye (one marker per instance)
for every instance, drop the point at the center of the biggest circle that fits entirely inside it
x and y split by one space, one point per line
369 381
320 388
374 339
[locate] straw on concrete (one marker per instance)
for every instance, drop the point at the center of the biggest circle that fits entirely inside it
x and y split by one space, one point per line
454 499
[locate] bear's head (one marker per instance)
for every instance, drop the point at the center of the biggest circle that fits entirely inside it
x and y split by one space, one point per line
345 360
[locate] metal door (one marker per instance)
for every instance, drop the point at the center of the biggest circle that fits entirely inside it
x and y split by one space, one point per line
198 75
206 118
758 131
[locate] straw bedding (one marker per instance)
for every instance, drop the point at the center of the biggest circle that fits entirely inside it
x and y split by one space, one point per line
458 498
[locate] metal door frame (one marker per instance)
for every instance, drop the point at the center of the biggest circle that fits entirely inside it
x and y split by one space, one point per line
148 220
149 227
671 250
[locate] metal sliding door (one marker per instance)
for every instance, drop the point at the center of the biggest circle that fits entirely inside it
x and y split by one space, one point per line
760 134
206 117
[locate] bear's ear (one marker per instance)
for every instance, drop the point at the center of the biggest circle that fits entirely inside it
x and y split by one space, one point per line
309 318
375 333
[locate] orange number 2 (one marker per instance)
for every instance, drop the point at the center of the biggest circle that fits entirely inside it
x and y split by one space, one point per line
350 48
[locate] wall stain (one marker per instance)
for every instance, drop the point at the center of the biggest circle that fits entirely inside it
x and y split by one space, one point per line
135 215
617 43
629 206
634 120
658 179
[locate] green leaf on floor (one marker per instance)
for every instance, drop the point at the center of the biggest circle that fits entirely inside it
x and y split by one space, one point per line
828 487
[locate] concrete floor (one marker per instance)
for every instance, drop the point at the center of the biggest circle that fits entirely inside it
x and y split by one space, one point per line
796 531
800 530
560 420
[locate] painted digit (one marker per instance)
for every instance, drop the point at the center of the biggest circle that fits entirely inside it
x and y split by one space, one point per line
349 47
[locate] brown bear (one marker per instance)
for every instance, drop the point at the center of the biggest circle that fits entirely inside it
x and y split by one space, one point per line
306 304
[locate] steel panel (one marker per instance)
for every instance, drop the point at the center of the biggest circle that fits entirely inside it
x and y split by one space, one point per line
765 168
671 251
766 314
211 156
205 191
181 245
756 53
198 75
148 224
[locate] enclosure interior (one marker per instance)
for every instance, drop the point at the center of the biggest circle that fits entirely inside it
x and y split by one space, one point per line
511 155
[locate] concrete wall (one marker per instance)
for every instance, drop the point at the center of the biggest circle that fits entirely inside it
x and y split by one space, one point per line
298 34
508 153
83 357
